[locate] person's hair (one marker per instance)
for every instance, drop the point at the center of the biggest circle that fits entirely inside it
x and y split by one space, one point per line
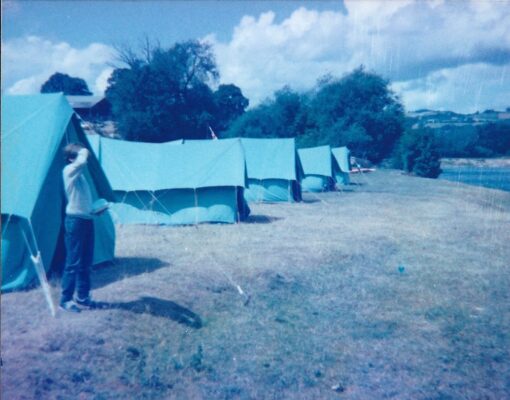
71 151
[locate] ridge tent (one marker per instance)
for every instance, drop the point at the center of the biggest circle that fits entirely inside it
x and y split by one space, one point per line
175 183
342 156
319 168
273 170
34 131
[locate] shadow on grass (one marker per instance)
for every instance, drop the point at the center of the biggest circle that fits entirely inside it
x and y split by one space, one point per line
159 308
344 189
124 267
309 200
260 219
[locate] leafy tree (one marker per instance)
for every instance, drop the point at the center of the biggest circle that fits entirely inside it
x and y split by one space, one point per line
359 111
456 141
282 116
256 123
289 113
164 94
69 85
417 153
493 139
230 104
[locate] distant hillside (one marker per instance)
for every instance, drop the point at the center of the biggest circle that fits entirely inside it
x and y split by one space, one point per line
437 119
482 134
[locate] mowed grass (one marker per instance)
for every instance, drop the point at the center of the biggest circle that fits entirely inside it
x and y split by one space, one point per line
394 288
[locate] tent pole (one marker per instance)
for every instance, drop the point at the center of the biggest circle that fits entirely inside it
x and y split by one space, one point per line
339 186
237 206
4 227
196 207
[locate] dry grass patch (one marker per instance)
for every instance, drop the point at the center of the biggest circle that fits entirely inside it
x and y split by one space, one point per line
396 289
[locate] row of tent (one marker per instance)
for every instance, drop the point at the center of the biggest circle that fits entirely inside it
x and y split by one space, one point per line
174 183
190 182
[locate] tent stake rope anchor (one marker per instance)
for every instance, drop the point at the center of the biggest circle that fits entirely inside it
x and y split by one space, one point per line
238 287
39 269
241 292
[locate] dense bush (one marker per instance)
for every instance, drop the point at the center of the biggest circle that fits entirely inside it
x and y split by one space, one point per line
281 117
493 139
416 153
358 111
456 141
490 139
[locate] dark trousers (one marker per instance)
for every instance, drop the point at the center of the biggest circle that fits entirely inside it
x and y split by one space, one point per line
79 242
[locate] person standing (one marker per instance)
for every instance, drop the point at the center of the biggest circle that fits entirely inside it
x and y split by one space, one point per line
79 231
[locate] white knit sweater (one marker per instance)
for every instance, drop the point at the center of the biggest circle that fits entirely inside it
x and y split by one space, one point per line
79 196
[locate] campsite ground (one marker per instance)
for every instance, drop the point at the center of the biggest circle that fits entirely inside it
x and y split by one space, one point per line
395 288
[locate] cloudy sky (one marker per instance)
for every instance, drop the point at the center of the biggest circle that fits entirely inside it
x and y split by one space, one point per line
449 55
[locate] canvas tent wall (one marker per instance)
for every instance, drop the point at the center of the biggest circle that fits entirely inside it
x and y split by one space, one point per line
34 131
273 170
175 183
319 168
342 156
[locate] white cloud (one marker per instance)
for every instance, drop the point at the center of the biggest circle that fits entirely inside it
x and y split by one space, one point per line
101 81
405 41
438 53
478 86
28 62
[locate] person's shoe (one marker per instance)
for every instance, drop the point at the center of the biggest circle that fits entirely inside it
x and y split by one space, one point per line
87 304
69 306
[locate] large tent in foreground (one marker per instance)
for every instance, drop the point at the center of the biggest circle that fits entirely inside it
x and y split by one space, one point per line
319 168
34 131
175 183
342 156
273 169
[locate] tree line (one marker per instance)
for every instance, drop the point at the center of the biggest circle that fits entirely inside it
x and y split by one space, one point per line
161 94
491 139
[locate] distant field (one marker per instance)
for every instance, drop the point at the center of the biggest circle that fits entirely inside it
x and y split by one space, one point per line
397 287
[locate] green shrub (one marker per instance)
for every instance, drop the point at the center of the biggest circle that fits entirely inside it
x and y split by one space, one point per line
417 153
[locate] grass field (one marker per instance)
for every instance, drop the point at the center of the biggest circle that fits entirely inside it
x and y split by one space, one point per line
395 288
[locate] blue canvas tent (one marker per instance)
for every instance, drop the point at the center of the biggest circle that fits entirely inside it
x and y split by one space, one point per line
342 156
319 168
273 170
34 131
175 183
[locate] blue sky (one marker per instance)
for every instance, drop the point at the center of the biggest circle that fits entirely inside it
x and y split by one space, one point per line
84 21
438 54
